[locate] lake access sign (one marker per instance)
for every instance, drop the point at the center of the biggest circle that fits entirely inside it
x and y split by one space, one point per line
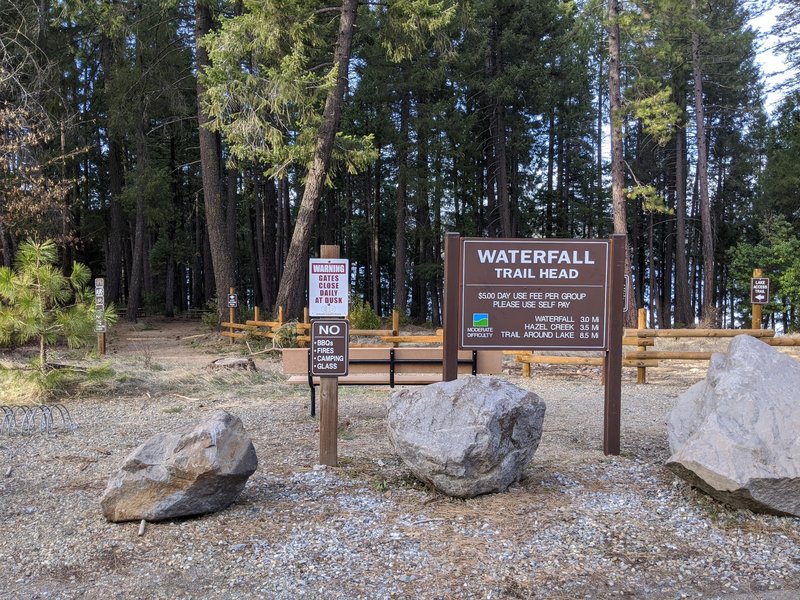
534 294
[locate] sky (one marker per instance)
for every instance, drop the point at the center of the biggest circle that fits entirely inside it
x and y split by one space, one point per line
771 64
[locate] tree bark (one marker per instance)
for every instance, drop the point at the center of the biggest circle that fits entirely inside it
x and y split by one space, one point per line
708 312
115 183
291 291
617 174
400 291
198 298
216 223
374 214
683 311
547 229
500 168
169 288
137 266
137 256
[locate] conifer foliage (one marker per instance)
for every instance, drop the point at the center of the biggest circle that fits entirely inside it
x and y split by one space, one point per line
37 301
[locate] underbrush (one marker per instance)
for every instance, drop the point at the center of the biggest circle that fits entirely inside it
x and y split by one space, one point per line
27 384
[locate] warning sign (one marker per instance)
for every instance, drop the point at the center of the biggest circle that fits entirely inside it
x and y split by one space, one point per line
328 287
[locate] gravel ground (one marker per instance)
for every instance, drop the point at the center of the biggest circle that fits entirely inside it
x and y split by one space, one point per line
580 525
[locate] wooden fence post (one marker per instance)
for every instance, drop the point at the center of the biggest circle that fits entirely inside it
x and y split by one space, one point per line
641 372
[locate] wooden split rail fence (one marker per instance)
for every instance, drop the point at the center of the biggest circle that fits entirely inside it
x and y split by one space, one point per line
643 339
269 329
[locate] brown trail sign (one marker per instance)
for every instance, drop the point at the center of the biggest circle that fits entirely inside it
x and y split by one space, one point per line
521 294
511 294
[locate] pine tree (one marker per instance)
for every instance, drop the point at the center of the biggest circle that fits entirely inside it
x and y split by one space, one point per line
38 302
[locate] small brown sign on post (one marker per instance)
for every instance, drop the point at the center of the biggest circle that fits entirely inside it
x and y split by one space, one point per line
329 347
759 290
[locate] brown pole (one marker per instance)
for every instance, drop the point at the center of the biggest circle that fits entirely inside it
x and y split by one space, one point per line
641 372
452 250
329 400
101 344
612 365
756 323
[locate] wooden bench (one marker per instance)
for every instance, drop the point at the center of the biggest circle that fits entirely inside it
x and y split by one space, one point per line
390 366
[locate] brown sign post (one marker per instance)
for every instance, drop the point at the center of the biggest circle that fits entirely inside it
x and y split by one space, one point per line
512 294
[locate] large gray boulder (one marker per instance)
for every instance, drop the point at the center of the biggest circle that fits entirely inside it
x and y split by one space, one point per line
736 435
192 471
466 437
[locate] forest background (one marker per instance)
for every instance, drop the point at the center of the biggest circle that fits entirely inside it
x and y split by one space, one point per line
179 148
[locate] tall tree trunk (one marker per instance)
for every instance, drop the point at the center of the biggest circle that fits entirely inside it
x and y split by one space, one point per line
708 313
547 229
374 224
599 229
683 310
270 242
261 249
617 174
232 180
137 264
198 298
216 223
501 168
400 242
115 182
169 288
137 258
290 293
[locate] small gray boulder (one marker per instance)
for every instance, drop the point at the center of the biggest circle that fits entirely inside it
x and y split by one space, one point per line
192 471
735 434
466 437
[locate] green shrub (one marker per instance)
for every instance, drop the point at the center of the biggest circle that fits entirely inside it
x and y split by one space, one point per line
38 302
362 316
210 317
286 336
